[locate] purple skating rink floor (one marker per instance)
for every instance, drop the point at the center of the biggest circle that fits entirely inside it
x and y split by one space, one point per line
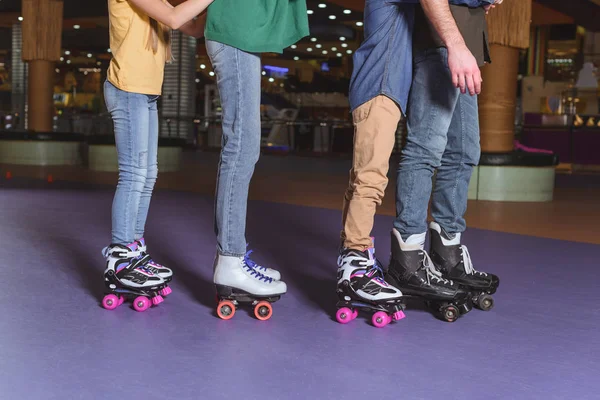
541 341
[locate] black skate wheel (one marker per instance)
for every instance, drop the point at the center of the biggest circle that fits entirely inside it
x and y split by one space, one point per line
450 313
485 302
226 309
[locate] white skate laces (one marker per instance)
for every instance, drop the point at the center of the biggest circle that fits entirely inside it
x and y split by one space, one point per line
469 269
432 272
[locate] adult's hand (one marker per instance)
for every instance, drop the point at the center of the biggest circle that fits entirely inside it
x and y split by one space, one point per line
464 69
463 66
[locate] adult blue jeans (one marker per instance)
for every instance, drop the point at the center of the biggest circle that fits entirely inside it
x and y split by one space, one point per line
443 136
135 119
238 80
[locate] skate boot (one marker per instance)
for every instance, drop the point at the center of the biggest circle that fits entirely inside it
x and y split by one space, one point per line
412 271
156 268
271 273
126 276
238 282
361 285
454 261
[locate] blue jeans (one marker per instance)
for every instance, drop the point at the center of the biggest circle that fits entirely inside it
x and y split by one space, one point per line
443 135
238 79
135 119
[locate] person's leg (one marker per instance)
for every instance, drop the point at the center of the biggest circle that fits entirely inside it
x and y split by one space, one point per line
449 202
432 101
375 125
431 104
238 79
124 268
152 167
131 120
146 196
360 277
449 205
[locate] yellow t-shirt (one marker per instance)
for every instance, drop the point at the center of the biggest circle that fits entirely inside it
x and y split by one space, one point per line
134 66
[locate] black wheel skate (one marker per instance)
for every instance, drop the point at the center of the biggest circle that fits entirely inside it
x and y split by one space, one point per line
412 271
454 262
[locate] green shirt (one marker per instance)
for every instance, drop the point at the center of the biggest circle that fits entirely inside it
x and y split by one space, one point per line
257 26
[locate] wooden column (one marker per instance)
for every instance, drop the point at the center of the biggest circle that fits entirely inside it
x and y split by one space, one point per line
508 26
42 30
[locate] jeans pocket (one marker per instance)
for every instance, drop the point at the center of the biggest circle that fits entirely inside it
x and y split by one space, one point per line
214 48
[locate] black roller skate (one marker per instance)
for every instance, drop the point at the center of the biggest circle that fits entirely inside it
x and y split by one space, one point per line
126 276
412 271
454 261
361 285
156 268
239 280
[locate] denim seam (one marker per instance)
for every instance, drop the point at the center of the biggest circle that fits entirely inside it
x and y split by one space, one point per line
130 152
460 163
238 125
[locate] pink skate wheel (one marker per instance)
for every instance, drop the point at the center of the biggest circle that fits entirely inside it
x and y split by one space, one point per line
226 309
344 315
166 291
121 300
354 314
380 319
156 300
263 310
141 303
110 302
398 315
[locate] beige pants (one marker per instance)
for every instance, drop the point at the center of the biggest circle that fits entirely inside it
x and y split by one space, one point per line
375 124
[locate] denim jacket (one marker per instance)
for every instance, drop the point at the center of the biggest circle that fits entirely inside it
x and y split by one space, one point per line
383 62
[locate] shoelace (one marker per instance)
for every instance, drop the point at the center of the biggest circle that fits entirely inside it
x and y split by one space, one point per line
252 266
469 269
251 262
432 272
